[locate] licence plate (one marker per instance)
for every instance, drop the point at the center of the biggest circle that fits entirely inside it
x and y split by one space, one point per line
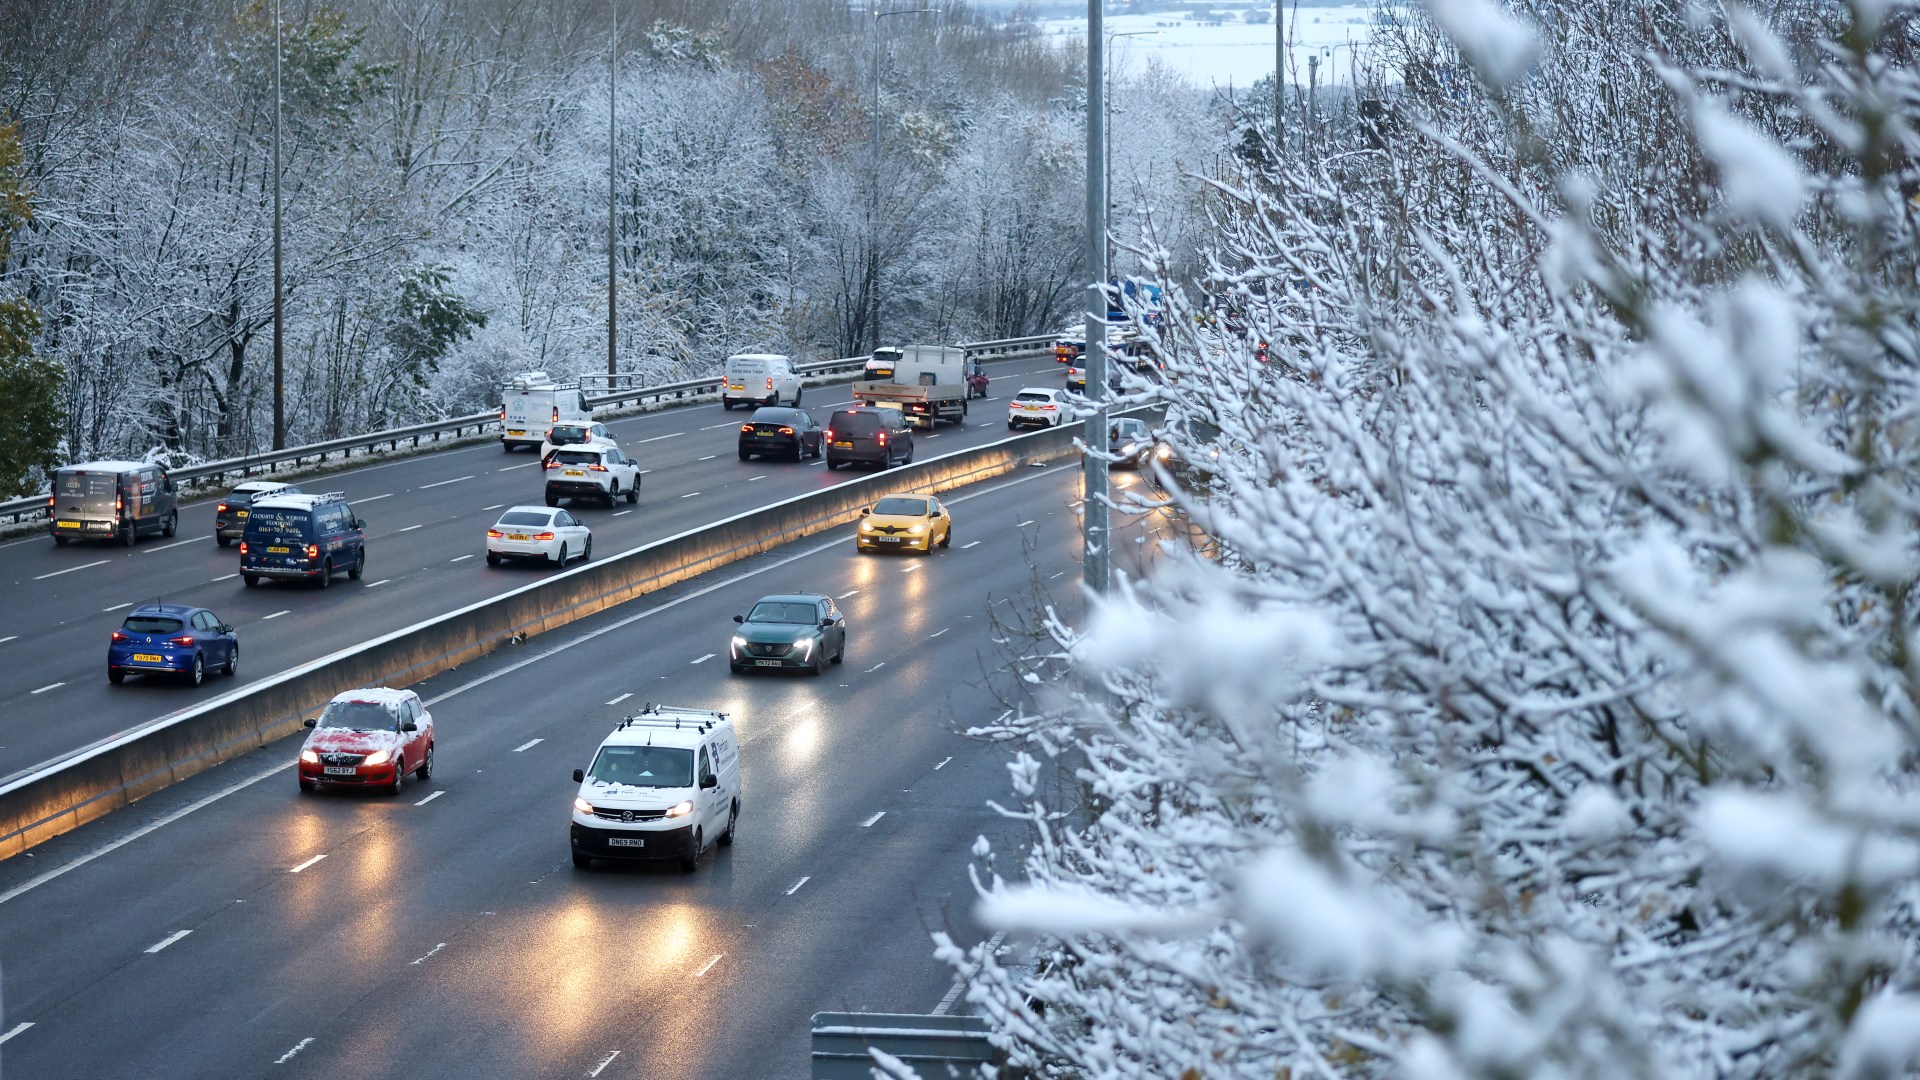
842 445
766 663
888 539
241 514
339 770
626 841
516 431
100 526
767 434
67 524
278 550
516 536
573 472
148 658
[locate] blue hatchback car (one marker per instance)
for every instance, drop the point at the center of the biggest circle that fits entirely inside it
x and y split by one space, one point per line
172 639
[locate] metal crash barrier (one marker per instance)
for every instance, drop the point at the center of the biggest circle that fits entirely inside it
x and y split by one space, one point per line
935 1047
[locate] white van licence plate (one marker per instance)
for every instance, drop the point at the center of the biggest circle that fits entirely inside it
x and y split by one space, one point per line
626 841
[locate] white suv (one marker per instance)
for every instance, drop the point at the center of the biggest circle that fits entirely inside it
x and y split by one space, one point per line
664 785
1043 406
591 472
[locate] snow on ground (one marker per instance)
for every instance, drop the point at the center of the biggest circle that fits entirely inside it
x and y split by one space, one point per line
1230 52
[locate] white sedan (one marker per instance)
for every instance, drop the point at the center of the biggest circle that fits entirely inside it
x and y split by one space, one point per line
538 532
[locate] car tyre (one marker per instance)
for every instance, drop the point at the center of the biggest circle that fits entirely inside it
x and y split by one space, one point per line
633 490
127 534
221 540
733 823
819 665
116 676
797 391
492 559
359 565
425 771
582 862
250 580
586 553
737 669
831 466
692 858
326 574
399 775
59 541
173 523
307 786
745 456
947 540
561 559
1011 426
199 673
233 662
612 494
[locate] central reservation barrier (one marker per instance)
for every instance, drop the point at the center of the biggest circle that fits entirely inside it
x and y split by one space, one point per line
102 778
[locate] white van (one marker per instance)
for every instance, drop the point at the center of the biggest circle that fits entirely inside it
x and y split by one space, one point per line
531 403
664 785
759 379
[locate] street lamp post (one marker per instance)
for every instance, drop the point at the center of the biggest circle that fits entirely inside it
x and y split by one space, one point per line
613 89
279 303
1095 557
873 178
1106 265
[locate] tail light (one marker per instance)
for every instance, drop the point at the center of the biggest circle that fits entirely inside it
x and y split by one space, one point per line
543 536
746 427
495 534
769 382
183 639
596 468
49 505
556 414
829 435
119 505
883 438
118 636
503 414
221 509
313 551
552 463
1048 408
786 431
243 549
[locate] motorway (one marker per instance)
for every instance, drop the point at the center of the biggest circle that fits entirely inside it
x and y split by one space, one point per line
426 517
230 926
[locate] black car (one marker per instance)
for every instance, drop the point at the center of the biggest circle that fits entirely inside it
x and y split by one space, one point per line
302 537
882 437
230 517
787 432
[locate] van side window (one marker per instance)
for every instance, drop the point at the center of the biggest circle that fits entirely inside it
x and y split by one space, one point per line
706 766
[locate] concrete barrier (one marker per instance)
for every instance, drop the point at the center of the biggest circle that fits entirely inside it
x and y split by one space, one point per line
111 774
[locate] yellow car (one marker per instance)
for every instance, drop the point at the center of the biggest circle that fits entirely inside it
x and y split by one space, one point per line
905 522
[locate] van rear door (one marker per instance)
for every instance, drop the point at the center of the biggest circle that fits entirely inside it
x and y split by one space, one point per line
86 500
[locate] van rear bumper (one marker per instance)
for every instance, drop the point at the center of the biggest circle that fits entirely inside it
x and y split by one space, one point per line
661 844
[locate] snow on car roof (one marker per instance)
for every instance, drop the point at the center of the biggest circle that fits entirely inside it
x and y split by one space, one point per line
377 694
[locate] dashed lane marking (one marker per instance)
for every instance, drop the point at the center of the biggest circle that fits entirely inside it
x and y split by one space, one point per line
608 1060
444 483
717 427
964 547
382 581
528 746
844 595
619 699
275 615
228 577
177 543
168 940
15 1030
429 956
689 494
910 568
410 528
375 498
9 637
522 465
796 885
622 513
868 824
50 686
704 659
751 479
71 569
875 667
668 435
943 763
117 607
460 558
708 966
709 457
304 865
297 1047
937 633
1024 524
495 506
430 798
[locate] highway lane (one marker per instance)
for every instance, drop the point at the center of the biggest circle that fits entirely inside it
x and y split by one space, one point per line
427 517
445 933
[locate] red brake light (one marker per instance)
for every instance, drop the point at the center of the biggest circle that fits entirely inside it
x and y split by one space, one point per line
883 438
119 505
243 549
118 636
313 551
183 639
746 427
786 431
829 435
495 533
221 509
1048 408
543 536
596 468
556 414
769 382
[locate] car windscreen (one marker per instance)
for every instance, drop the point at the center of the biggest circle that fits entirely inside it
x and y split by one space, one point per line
643 766
278 523
1036 398
525 517
781 611
858 423
774 418
896 505
151 624
573 434
361 715
1126 429
576 457
89 489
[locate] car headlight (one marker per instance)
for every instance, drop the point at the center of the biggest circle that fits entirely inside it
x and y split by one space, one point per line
866 526
805 645
739 643
378 757
582 806
1128 449
917 529
680 809
1164 451
309 757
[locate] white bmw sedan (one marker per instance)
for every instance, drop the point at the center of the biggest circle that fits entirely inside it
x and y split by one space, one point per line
538 532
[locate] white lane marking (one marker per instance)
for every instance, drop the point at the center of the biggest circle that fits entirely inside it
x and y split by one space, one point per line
495 506
619 699
708 966
117 607
943 763
644 472
960 982
1024 524
910 568
597 1068
510 468
844 595
875 668
868 824
964 547
796 885
704 659
140 832
228 577
382 581
717 427
306 864
709 457
444 483
460 558
1062 573
375 498
410 528
751 479
275 615
937 633
71 569
17 1029
689 494
168 940
528 746
176 543
429 956
622 513
430 798
668 435
297 1047
50 686
9 637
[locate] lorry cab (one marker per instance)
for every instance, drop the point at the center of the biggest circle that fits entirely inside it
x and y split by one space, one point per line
759 379
532 403
111 500
665 784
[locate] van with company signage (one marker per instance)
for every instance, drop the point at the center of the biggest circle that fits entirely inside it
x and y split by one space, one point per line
759 379
302 538
665 784
531 403
111 500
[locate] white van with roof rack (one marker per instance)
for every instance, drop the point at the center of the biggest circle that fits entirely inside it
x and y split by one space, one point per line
531 403
665 784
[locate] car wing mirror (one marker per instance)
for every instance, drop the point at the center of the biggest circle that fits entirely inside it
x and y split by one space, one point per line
409 726
739 618
359 524
826 624
226 628
865 511
311 721
579 775
709 782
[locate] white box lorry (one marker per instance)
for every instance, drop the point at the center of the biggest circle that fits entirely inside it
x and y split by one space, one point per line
531 403
929 383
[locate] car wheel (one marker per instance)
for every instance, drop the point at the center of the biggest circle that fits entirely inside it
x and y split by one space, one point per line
199 673
736 668
692 858
307 786
116 676
552 499
221 540
831 465
819 665
126 534
582 862
425 771
250 580
233 662
799 451
1011 426
744 456
326 574
561 559
399 775
612 494
359 566
173 523
947 540
733 823
908 460
492 559
840 657
586 553
59 541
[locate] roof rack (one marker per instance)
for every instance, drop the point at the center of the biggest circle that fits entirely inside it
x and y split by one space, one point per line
651 716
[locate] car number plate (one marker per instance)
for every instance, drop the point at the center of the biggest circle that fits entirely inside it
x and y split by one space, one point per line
278 550
842 444
888 539
516 536
67 524
574 472
339 770
516 431
100 526
626 841
766 663
240 514
148 658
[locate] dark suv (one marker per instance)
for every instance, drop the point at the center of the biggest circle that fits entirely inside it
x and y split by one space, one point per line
308 537
882 437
